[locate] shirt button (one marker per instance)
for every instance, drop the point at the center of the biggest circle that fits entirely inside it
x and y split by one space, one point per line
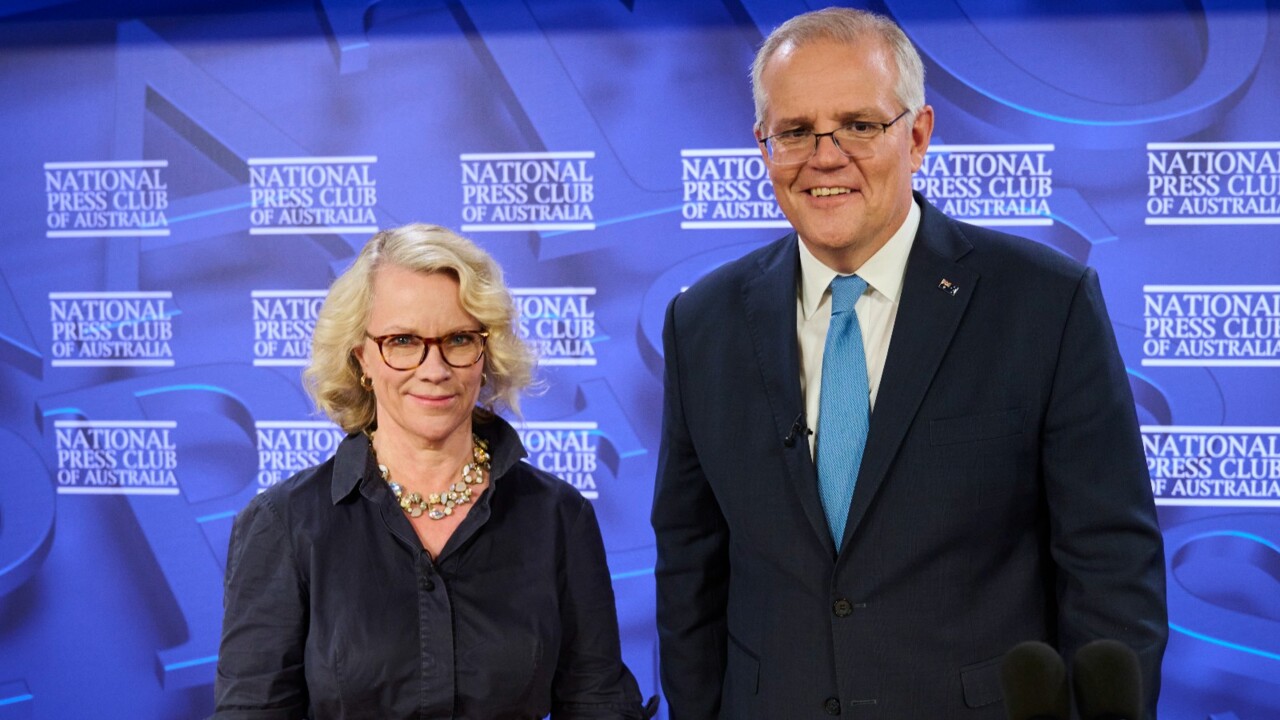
428 585
832 706
842 608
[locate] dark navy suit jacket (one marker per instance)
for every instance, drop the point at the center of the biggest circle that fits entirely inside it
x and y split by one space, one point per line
1003 495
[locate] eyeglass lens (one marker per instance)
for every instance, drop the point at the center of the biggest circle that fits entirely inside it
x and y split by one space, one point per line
406 352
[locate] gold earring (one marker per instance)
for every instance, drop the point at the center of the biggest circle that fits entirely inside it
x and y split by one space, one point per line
366 382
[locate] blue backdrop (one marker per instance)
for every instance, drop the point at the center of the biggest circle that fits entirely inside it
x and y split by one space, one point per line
179 185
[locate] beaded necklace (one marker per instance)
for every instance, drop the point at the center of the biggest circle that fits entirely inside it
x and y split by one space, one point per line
439 506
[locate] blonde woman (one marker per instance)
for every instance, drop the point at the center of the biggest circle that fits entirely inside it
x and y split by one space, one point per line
425 570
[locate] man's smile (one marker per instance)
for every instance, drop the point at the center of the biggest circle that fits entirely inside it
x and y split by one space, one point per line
825 191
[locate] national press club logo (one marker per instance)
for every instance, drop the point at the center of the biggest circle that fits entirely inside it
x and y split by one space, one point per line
283 323
727 189
540 191
567 449
111 329
1211 325
1213 183
116 457
1214 466
287 446
308 195
111 198
560 323
990 185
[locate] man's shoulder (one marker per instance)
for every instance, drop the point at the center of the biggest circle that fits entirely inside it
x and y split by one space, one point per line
995 253
724 283
986 247
1008 247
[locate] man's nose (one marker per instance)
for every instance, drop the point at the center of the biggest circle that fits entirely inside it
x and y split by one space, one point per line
828 153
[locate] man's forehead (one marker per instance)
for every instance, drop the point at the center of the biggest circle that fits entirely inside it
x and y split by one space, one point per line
828 79
869 61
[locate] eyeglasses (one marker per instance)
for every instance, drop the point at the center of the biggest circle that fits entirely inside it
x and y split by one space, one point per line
853 141
406 352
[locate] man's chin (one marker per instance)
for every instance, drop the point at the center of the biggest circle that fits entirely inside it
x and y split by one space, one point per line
828 239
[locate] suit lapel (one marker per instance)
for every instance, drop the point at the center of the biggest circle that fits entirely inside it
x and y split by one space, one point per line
928 316
769 302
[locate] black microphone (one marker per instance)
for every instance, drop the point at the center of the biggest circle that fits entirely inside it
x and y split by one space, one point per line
1034 680
798 429
1108 681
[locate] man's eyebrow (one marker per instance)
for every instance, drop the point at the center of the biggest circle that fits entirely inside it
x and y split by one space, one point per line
860 115
793 123
805 122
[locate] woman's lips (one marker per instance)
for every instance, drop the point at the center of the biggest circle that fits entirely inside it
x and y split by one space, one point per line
433 399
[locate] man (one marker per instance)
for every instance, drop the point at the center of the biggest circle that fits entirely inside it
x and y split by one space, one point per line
834 544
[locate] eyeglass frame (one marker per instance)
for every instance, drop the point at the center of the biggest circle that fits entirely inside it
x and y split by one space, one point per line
427 342
817 138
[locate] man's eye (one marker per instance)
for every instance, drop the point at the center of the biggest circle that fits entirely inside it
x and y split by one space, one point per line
792 136
861 128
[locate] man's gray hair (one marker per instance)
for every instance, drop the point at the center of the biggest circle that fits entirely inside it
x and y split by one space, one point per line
850 26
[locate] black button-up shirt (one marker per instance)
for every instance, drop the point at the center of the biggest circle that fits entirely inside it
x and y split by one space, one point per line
335 610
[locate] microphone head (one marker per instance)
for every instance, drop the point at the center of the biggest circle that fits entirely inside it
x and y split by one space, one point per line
1034 679
1108 681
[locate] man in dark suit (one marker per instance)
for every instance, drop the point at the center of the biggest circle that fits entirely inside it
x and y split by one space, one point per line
833 544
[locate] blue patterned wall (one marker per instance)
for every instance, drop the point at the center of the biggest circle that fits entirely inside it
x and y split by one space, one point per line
181 184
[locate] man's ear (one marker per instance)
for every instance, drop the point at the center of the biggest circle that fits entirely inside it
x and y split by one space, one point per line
921 133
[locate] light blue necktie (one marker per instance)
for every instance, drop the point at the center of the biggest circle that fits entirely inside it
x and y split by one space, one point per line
844 405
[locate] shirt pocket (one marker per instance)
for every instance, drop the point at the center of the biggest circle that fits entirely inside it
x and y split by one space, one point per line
981 683
975 428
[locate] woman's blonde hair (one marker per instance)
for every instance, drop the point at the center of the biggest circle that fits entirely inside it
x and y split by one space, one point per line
333 376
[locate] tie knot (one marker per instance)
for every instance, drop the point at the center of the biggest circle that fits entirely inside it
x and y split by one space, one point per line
845 291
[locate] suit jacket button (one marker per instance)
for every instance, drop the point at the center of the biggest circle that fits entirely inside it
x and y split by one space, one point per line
842 608
832 706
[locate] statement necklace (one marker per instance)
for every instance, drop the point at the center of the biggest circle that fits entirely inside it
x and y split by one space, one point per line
439 506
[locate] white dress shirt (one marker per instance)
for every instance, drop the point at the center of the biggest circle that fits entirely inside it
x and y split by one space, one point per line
877 310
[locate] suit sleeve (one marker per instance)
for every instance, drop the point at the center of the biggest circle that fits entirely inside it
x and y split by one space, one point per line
264 628
591 682
1104 535
692 569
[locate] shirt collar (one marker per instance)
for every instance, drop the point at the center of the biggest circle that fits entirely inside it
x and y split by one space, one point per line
883 271
353 463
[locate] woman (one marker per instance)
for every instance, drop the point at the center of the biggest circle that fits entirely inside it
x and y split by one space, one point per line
424 571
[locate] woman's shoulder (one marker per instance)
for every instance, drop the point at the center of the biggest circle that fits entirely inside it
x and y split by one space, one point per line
518 483
312 488
534 483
